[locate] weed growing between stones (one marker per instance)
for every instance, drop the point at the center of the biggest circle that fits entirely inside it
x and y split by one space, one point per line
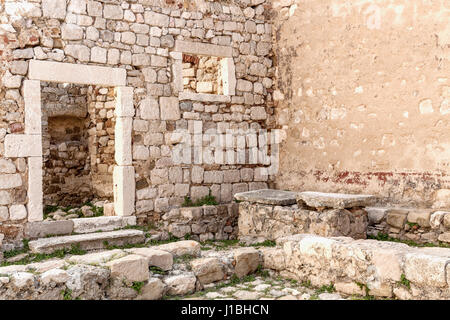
404 281
38 257
137 286
208 200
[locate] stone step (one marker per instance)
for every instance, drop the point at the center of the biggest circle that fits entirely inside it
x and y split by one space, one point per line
89 241
89 225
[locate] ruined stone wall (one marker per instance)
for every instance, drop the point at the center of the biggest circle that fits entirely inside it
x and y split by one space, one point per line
140 37
363 94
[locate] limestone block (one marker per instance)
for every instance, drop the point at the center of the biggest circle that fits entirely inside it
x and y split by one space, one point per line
152 290
83 225
268 196
10 181
273 258
4 214
228 76
99 55
76 73
426 270
181 248
124 101
17 212
55 9
437 218
113 12
78 51
7 166
181 284
71 32
34 230
208 270
444 237
157 258
421 217
446 220
123 130
35 192
23 145
179 230
32 98
376 215
170 109
335 200
19 67
156 19
388 263
57 276
203 97
246 261
132 267
97 258
149 109
396 218
124 190
140 152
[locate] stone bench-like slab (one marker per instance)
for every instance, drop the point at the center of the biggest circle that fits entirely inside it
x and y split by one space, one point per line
334 200
268 196
90 241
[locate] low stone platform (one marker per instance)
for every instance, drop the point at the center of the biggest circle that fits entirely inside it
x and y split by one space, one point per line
270 214
90 241
384 269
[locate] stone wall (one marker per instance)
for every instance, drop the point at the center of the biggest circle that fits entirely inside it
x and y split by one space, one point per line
363 267
418 225
203 223
364 107
141 37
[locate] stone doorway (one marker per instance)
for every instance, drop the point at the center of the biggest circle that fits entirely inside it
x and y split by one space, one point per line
30 144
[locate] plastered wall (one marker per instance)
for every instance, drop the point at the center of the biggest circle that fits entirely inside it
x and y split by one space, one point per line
363 94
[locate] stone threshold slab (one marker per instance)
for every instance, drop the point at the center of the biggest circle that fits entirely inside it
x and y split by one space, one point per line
268 196
90 241
335 200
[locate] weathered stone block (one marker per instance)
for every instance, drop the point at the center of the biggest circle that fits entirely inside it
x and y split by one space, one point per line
23 145
268 196
132 267
334 200
181 284
426 270
54 9
152 290
34 230
181 248
124 190
208 270
157 258
170 109
246 261
421 217
396 218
